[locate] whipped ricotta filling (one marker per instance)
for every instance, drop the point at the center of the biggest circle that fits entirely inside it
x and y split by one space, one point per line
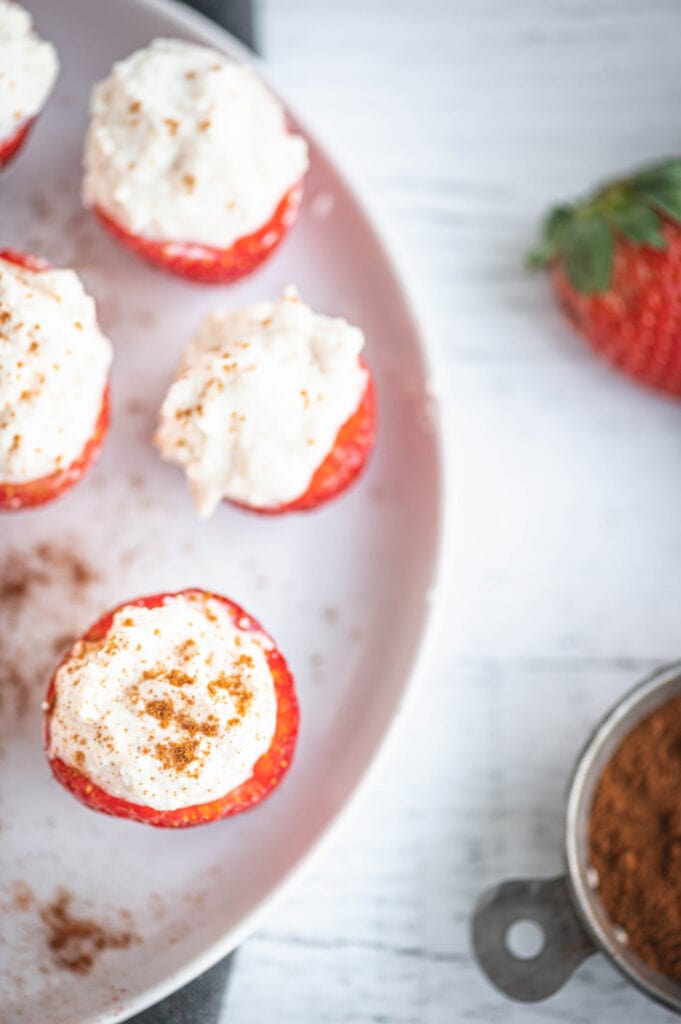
54 365
173 707
186 145
28 68
259 398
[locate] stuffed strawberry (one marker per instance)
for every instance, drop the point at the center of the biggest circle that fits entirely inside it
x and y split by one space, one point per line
615 261
54 392
272 408
173 710
28 69
190 162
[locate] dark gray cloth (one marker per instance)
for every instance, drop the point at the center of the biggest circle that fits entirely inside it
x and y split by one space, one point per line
201 1001
237 16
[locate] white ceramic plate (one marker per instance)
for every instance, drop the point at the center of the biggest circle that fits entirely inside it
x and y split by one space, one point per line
345 591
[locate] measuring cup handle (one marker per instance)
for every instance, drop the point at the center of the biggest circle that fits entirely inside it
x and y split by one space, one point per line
546 902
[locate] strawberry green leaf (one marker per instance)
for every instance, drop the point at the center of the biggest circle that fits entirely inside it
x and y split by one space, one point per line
547 248
639 224
665 198
582 236
587 250
556 222
667 172
540 256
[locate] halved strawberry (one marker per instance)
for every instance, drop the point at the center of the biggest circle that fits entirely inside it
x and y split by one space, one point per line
11 144
15 496
206 263
268 771
344 463
615 261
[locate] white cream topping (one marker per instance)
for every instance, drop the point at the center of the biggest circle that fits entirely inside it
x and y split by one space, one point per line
28 68
186 145
54 364
258 400
172 708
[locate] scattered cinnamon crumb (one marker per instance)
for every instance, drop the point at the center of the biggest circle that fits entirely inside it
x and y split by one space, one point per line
40 206
76 942
68 563
63 642
14 680
18 575
135 406
22 896
24 574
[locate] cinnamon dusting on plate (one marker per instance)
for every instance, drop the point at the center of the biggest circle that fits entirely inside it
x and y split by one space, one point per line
75 942
34 581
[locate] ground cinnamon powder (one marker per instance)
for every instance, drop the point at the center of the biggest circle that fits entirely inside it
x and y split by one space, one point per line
635 838
76 942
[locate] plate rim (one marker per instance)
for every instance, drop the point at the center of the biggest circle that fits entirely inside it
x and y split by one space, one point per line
436 375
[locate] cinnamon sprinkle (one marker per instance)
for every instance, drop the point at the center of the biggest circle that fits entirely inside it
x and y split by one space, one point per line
235 686
177 756
22 896
162 710
174 676
209 727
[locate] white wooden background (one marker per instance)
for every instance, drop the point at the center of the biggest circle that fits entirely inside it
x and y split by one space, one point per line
464 119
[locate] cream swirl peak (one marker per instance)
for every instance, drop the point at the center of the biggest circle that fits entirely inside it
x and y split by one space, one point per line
186 145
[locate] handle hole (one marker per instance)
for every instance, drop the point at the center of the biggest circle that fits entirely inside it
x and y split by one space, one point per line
525 939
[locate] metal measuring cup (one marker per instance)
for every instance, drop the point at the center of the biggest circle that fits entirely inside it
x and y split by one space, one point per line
567 908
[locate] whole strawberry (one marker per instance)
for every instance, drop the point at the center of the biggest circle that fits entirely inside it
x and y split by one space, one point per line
615 261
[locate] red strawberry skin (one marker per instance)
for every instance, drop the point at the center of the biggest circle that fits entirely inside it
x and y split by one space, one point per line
636 324
207 264
9 147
